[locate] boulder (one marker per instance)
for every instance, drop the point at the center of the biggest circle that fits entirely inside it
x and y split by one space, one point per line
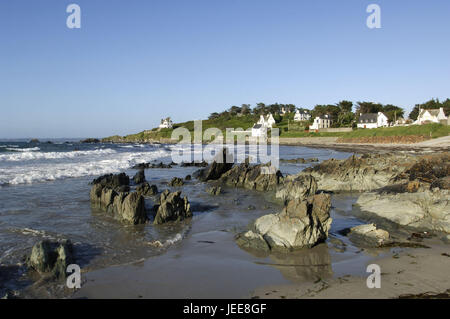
145 189
301 224
51 257
130 208
139 177
172 208
188 178
112 180
176 182
222 163
369 235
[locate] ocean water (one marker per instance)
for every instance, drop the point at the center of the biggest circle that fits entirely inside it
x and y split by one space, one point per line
44 194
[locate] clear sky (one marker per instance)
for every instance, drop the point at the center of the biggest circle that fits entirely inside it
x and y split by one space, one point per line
134 62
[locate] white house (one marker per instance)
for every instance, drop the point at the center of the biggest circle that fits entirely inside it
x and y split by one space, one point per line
321 122
267 122
270 120
283 111
431 116
166 123
259 130
302 116
372 120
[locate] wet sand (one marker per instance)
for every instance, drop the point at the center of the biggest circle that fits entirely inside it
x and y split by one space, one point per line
404 273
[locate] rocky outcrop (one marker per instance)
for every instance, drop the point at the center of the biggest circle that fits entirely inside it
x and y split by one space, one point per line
145 189
139 177
90 141
51 257
172 208
222 163
369 235
301 224
176 182
359 173
256 177
426 210
294 187
153 165
111 194
194 164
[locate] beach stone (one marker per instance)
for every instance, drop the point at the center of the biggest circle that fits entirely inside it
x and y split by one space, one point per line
172 208
222 163
299 225
145 189
188 178
139 177
176 182
369 235
51 257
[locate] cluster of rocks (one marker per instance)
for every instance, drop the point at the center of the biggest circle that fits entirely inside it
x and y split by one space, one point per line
153 165
145 189
111 193
300 160
222 163
194 164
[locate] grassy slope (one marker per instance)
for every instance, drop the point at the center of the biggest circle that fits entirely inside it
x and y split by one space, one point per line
295 130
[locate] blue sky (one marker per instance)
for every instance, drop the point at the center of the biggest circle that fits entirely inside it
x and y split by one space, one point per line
133 62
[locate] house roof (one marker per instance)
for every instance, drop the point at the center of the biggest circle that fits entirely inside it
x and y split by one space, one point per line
433 112
257 126
368 118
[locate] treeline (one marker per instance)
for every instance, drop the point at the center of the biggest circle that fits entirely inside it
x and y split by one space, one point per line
344 113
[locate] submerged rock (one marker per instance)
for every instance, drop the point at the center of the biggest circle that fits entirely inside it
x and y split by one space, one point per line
300 160
222 163
301 224
152 165
214 190
51 257
172 208
369 235
111 194
176 182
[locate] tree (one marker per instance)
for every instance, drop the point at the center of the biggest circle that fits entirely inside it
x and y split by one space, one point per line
392 112
368 107
431 104
345 106
213 116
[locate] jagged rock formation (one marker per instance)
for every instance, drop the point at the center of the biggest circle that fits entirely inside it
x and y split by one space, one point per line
111 193
139 177
172 208
176 182
222 162
304 222
214 190
145 189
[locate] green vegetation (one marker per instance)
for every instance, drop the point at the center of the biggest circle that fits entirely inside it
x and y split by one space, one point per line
431 104
244 117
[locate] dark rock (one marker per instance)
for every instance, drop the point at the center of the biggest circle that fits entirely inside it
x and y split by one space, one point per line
258 177
188 178
139 177
176 182
51 257
194 164
112 181
90 140
34 141
145 189
172 208
152 165
300 160
222 163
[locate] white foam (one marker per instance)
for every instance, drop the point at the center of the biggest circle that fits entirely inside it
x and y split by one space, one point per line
70 164
30 149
